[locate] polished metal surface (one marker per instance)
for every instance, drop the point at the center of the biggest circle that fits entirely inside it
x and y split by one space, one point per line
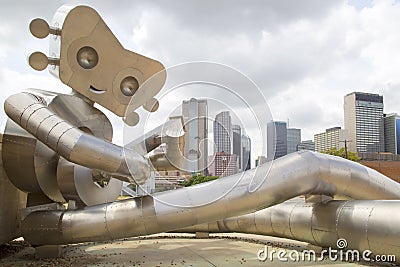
171 133
43 172
18 150
173 128
302 173
31 112
76 183
364 224
11 201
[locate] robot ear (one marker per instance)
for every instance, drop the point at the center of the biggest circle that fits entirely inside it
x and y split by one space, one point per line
39 61
87 56
41 29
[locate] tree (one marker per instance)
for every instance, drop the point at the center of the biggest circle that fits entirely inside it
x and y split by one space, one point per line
342 153
198 180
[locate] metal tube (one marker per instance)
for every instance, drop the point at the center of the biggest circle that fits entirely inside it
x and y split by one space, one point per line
297 174
12 200
364 224
32 114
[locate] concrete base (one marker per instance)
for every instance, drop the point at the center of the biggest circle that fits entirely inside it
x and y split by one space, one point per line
48 252
202 234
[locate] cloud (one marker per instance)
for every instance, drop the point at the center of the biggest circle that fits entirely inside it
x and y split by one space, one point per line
338 44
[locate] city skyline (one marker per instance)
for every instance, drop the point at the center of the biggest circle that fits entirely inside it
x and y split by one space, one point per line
329 138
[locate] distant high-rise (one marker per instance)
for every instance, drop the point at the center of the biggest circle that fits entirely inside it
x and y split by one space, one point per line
276 139
246 153
332 138
223 164
392 133
237 148
293 139
194 114
306 145
223 133
363 113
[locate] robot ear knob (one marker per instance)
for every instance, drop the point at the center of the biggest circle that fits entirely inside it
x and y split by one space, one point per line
151 105
38 61
131 119
39 28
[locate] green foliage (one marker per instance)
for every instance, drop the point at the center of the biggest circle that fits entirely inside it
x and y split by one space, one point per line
342 153
198 180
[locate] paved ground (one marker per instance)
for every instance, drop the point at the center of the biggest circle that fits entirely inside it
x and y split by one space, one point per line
163 250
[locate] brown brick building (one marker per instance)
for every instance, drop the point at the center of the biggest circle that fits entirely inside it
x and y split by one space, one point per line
385 163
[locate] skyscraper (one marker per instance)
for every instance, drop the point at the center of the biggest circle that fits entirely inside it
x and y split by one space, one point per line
194 114
276 139
246 153
293 139
392 133
223 133
363 113
332 138
237 148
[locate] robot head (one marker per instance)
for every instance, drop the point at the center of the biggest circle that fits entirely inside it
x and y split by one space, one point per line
86 56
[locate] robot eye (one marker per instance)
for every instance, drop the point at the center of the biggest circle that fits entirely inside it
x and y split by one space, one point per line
87 57
129 85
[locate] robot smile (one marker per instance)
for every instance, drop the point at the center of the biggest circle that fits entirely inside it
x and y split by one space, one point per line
95 90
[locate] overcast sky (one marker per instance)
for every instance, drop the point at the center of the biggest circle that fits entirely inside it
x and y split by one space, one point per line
304 55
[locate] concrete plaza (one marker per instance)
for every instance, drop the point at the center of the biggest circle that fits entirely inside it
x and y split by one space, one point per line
168 250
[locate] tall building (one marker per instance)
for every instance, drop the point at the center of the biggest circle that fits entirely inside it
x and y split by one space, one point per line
293 139
223 133
332 137
363 113
223 164
392 133
276 139
306 145
237 148
194 114
246 153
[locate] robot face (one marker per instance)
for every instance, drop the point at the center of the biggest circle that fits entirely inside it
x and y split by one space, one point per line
94 63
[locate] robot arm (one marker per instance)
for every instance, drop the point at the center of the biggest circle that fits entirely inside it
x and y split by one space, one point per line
32 114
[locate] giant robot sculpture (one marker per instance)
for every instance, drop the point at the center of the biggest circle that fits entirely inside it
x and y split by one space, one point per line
56 149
